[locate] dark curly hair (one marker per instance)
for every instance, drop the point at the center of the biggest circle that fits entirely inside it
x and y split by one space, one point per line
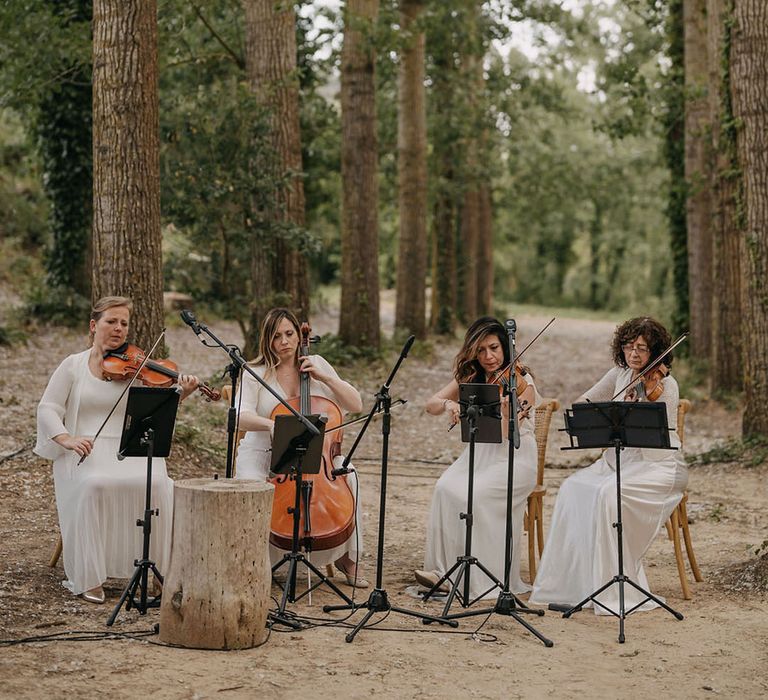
466 366
653 333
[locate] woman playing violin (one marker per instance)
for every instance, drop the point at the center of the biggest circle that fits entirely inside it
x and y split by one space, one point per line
484 352
581 552
99 499
280 365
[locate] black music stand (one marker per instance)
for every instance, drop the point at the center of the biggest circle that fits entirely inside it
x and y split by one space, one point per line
618 424
480 422
295 452
150 416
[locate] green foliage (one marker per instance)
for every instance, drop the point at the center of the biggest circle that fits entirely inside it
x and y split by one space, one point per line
55 304
220 192
23 206
63 128
749 452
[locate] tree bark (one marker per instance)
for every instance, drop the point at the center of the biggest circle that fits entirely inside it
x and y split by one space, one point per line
698 199
728 249
279 272
749 89
485 252
443 311
127 254
216 591
410 312
359 316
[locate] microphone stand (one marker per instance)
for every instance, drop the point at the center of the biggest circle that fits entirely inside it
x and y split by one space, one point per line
378 601
237 365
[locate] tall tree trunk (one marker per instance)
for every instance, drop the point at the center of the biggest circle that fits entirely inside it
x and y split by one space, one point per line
127 255
279 272
359 321
749 88
698 213
469 241
485 252
443 308
595 237
728 249
412 176
674 155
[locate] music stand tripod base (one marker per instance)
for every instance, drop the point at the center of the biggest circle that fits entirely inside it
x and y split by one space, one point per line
480 418
618 424
150 416
292 446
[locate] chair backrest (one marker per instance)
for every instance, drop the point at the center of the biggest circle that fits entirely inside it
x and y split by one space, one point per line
544 413
682 408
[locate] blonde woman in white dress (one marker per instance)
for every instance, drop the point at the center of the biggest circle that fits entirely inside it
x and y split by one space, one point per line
581 551
484 351
280 366
99 500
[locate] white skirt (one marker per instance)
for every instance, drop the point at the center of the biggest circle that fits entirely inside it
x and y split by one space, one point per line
446 532
581 552
98 504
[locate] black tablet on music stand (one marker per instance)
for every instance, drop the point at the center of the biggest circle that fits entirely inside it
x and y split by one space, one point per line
484 401
149 408
290 436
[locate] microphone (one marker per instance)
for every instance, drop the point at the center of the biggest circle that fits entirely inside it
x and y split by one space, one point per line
189 318
510 325
407 346
120 456
341 471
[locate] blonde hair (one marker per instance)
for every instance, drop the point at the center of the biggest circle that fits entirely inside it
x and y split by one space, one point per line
269 326
103 305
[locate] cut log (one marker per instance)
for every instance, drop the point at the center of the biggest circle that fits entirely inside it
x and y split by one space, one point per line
216 591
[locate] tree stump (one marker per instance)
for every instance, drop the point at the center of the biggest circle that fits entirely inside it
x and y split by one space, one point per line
216 591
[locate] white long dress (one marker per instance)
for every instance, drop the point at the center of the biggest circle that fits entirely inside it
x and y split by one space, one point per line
581 551
254 452
99 501
446 532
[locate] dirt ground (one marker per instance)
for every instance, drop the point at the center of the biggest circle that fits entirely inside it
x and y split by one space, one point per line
718 649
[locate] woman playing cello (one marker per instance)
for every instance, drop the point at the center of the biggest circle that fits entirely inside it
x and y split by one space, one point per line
281 366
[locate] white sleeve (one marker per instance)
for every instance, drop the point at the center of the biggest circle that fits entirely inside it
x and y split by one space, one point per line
53 408
605 388
250 390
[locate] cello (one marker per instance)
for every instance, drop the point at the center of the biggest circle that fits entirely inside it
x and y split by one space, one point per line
327 505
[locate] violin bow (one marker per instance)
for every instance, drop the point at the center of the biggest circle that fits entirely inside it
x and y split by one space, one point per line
360 419
499 372
128 386
653 364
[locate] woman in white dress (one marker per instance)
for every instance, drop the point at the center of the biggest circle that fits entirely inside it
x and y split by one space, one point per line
279 365
99 500
581 552
485 350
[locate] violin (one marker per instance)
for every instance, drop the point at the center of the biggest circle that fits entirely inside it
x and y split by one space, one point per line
652 385
122 364
503 378
651 380
327 504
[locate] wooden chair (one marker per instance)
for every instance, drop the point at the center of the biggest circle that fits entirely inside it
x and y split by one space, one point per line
533 521
679 519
